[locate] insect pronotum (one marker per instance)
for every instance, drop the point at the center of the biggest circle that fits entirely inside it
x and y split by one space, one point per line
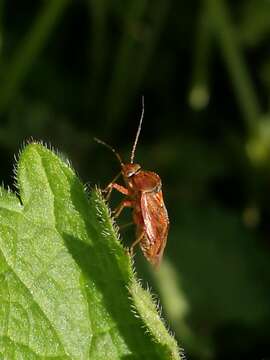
144 195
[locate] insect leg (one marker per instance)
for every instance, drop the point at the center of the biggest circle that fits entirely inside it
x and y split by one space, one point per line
139 238
121 206
124 226
108 188
117 187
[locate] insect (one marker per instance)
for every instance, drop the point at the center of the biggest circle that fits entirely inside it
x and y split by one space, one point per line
144 195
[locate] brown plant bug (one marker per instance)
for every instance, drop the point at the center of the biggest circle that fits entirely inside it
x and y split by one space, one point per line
143 194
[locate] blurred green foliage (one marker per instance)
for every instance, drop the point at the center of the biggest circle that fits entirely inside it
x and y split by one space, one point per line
74 70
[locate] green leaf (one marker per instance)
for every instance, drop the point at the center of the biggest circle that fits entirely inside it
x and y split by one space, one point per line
67 288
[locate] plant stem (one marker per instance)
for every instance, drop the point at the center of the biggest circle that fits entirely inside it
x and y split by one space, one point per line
1 28
232 52
98 50
29 49
136 49
199 91
126 57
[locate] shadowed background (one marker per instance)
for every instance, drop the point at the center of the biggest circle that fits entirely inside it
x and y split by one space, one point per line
70 71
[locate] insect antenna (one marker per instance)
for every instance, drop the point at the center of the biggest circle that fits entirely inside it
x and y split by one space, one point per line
138 133
111 148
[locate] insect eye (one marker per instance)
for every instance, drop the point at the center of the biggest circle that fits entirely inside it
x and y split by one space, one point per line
130 173
131 169
135 170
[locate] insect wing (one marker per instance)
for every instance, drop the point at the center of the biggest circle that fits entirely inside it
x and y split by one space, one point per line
156 224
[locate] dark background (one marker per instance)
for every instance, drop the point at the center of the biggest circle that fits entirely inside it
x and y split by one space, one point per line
72 70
